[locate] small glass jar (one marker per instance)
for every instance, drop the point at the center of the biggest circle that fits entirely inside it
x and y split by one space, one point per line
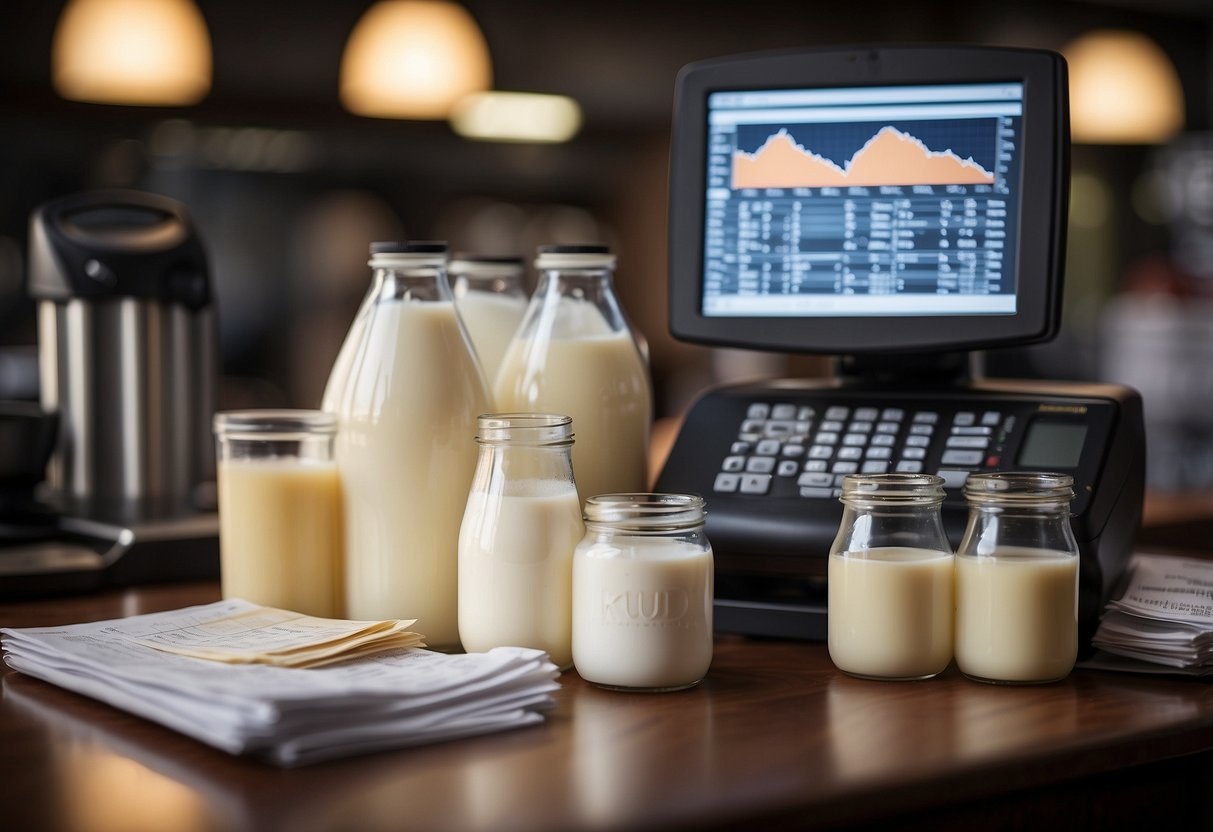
1017 580
890 581
491 299
521 524
280 510
642 593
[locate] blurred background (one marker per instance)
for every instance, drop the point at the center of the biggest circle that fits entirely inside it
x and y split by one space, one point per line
290 162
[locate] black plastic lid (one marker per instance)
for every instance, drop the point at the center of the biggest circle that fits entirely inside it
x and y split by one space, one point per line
411 247
503 259
580 248
106 244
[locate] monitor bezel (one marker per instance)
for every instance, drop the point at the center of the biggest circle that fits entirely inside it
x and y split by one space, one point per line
1044 165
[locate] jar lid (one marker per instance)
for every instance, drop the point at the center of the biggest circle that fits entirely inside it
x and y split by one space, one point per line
1019 488
892 489
274 424
550 429
645 512
580 256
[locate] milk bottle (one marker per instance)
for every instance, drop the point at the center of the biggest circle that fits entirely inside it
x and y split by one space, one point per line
491 300
575 354
407 409
890 582
522 522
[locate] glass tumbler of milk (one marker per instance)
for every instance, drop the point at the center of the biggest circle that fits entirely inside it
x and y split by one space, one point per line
890 579
491 299
575 353
521 524
1017 579
642 593
280 510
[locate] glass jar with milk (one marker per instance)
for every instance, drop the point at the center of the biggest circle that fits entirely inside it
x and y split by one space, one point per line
491 299
642 592
575 354
407 389
1017 579
890 581
279 510
522 522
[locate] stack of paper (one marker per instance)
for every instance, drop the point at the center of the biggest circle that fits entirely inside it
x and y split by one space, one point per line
248 702
1164 619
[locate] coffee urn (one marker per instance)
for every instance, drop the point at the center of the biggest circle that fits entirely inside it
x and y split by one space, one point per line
127 353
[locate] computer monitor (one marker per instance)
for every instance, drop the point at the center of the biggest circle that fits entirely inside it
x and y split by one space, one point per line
869 200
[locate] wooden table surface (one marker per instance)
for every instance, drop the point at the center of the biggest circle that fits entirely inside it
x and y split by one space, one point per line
775 737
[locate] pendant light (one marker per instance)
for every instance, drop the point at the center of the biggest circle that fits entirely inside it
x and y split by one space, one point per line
141 52
413 59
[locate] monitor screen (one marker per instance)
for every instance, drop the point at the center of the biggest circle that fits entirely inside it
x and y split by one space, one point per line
921 209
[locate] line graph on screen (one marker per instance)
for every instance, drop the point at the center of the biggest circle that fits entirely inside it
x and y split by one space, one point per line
890 157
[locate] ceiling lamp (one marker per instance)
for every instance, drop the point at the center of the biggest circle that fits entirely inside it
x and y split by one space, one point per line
413 59
144 52
1123 90
516 117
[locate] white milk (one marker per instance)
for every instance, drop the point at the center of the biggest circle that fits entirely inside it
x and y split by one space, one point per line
280 534
516 568
890 612
406 453
1017 615
642 613
598 378
491 319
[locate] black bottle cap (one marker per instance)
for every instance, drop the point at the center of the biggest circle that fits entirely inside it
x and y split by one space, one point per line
580 248
411 247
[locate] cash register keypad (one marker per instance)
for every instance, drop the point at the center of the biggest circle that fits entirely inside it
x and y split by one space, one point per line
815 449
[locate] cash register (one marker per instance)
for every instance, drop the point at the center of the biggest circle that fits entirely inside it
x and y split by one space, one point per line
901 209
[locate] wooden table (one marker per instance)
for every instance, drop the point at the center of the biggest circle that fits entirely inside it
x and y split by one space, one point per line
774 738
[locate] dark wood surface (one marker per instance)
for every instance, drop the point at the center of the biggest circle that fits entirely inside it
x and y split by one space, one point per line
775 737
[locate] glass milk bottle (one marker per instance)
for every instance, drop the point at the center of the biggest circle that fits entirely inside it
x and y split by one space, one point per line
1017 579
407 409
522 522
575 354
280 510
642 592
890 583
491 299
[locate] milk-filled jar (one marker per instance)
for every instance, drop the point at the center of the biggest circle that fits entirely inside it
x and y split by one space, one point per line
491 299
407 406
1017 579
521 524
642 592
889 579
575 354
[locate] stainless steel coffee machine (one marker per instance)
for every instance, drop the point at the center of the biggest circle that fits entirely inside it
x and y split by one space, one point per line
128 362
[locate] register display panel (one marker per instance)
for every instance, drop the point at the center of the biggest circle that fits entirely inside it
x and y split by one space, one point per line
874 201
869 201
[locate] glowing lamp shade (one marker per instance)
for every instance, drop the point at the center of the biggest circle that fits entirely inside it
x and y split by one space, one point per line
142 52
516 117
1123 90
413 59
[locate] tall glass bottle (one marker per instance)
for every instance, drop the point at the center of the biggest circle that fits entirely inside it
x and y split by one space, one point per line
407 400
575 354
522 522
491 299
